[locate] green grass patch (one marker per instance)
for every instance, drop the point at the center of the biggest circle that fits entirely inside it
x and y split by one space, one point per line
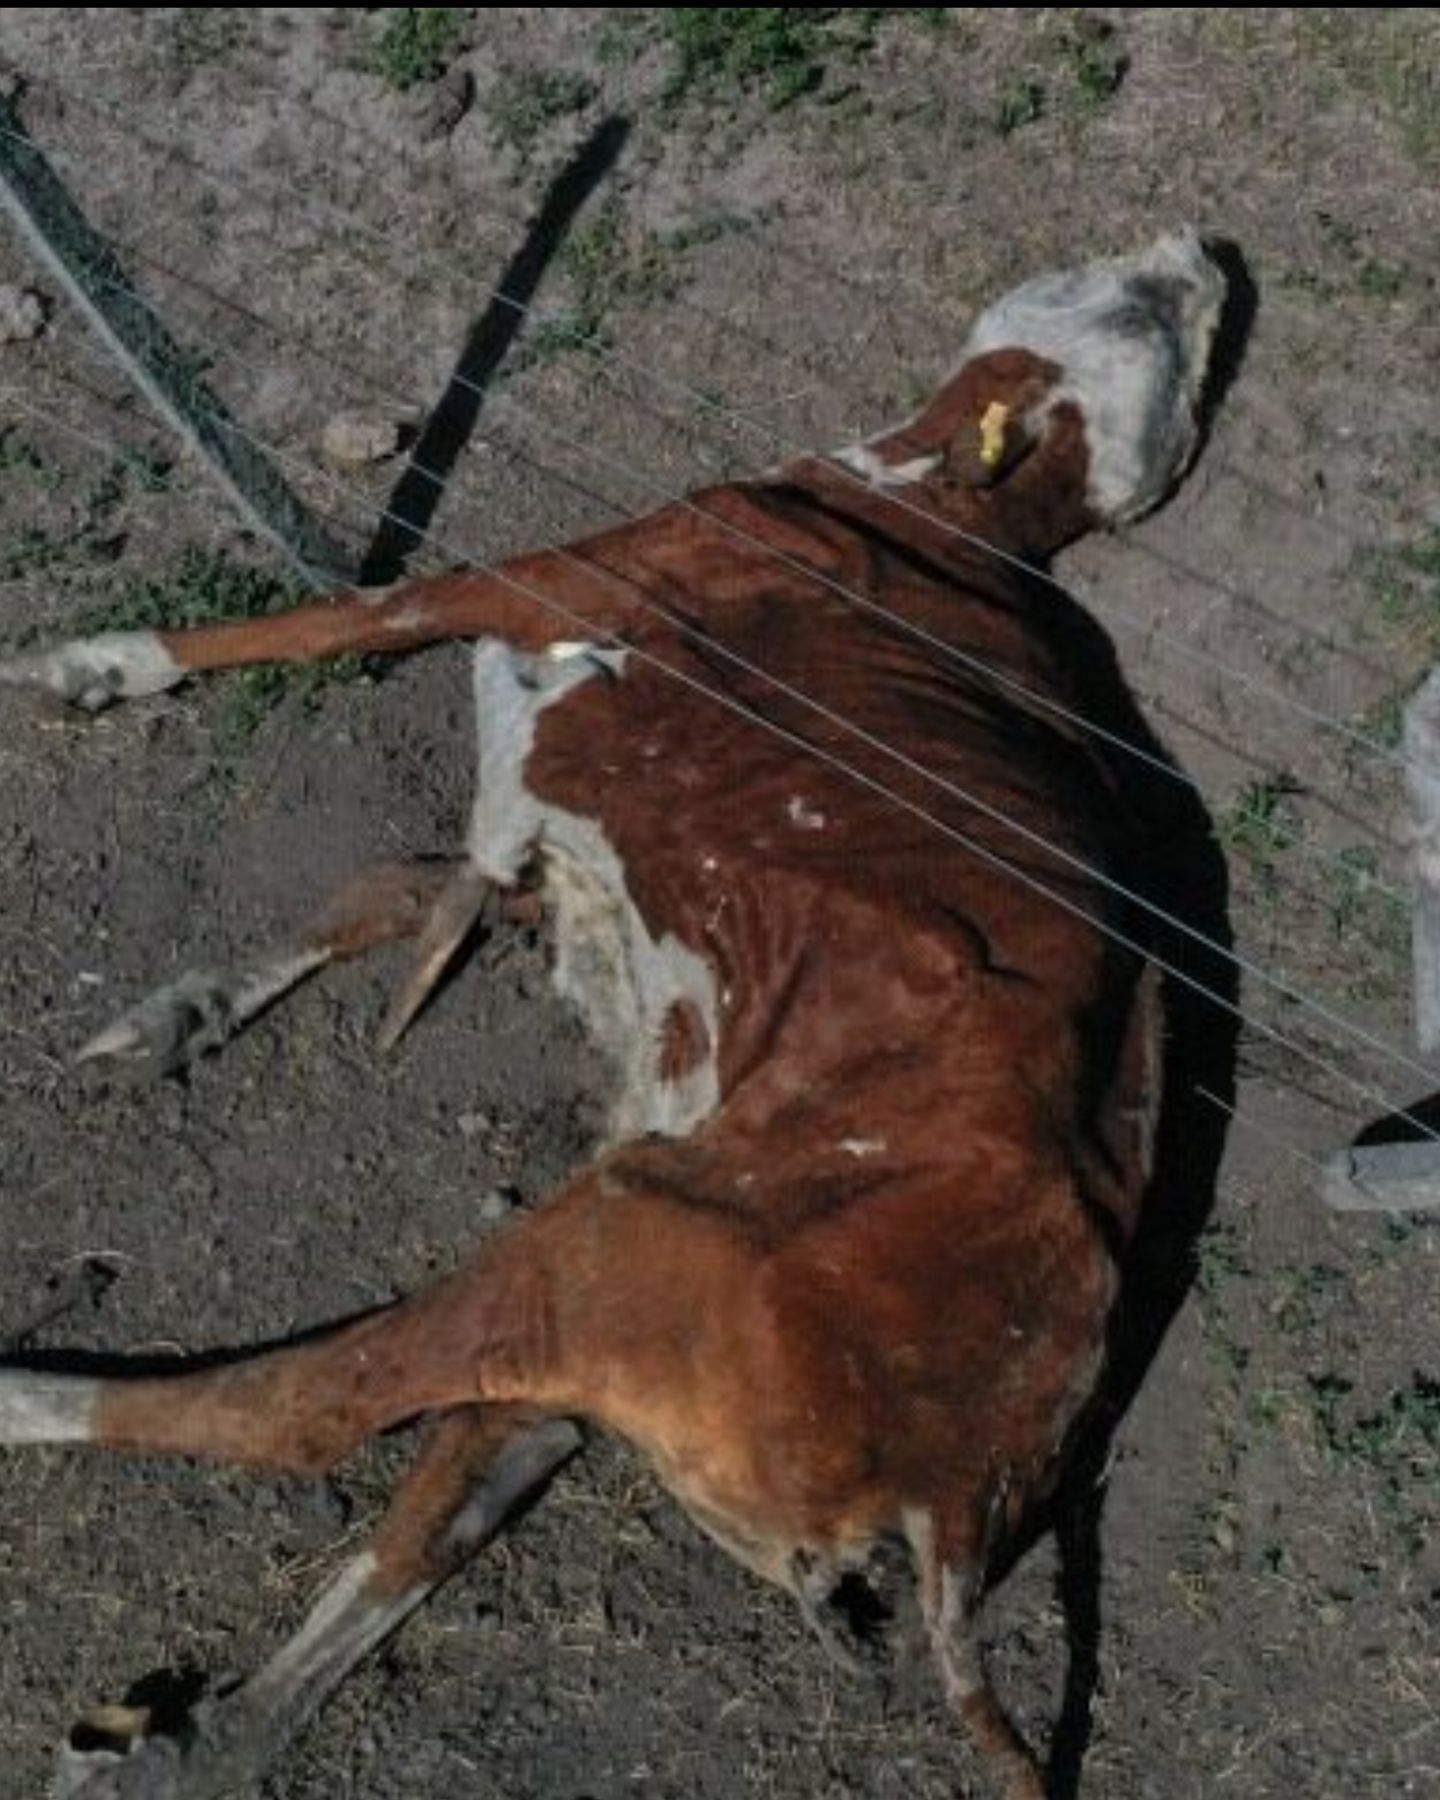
31 549
18 456
1075 72
416 43
207 587
1383 723
609 266
1390 57
147 470
1306 1295
1376 277
1398 1442
1095 62
1220 1257
90 531
1021 101
1364 915
1261 824
1403 586
525 102
781 53
210 587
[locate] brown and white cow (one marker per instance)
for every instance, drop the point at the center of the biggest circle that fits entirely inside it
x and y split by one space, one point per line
837 875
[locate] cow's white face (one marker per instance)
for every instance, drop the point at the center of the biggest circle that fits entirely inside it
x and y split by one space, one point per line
1132 337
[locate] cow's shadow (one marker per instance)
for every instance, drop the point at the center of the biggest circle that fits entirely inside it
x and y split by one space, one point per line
1186 877
1181 873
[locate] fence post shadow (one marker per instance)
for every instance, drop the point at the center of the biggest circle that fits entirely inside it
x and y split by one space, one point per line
415 497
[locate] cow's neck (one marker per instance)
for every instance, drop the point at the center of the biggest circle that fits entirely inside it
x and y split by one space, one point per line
913 495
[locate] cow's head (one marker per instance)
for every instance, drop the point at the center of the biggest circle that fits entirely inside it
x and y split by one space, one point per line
1075 398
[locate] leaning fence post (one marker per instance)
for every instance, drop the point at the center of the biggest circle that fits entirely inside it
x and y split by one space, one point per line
1422 781
1405 1177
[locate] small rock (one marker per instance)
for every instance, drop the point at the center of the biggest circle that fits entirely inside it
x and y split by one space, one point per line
471 1124
352 439
498 1204
22 314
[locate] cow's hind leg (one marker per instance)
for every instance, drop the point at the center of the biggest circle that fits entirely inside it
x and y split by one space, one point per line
303 1407
949 1570
484 1333
438 902
479 1463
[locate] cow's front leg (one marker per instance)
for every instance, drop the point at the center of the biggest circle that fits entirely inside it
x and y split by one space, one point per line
204 1008
531 602
479 1464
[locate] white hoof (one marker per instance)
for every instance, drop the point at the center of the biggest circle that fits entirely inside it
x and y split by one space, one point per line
92 672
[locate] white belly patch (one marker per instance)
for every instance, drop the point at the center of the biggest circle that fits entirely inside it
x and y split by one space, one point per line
623 980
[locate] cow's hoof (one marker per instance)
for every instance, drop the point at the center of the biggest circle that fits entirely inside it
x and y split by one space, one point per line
170 1027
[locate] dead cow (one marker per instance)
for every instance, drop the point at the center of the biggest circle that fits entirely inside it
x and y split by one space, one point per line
836 876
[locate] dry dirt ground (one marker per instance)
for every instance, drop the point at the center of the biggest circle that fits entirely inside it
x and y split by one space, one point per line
806 210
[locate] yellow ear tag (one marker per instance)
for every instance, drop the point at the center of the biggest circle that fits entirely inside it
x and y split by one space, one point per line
992 434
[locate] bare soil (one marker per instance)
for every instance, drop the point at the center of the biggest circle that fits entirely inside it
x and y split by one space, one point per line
751 277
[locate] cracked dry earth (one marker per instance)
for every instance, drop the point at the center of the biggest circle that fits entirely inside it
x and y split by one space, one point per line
762 276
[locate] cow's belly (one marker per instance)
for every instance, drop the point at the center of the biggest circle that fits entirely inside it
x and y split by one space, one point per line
648 1002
